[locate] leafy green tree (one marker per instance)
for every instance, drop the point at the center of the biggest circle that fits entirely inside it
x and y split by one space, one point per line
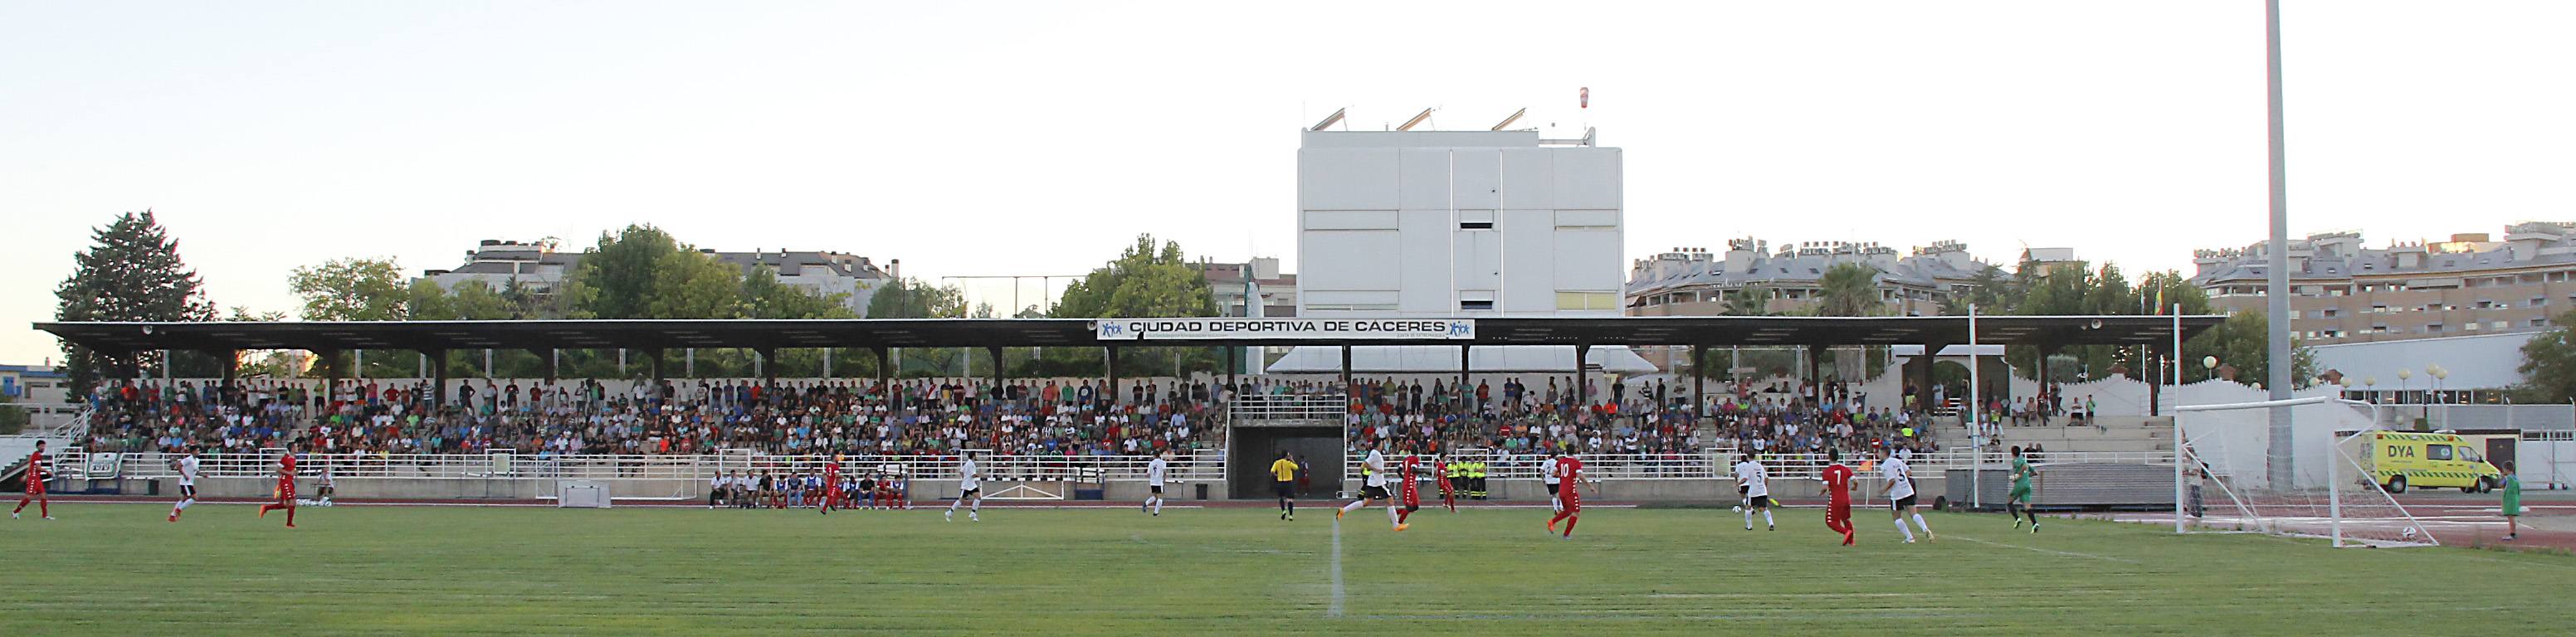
1850 289
352 289
1144 282
692 285
2243 342
469 300
912 298
1749 301
131 272
2549 365
621 277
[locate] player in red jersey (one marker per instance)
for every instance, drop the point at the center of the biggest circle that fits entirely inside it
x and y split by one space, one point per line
285 488
35 486
1568 471
831 485
1440 474
1838 496
1409 497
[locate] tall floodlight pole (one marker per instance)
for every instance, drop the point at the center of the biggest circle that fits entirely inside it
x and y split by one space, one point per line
2278 295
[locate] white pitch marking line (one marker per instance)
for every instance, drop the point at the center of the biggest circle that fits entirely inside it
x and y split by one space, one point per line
2048 551
1335 610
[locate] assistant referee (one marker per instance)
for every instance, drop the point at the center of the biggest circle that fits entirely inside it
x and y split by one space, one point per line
1284 472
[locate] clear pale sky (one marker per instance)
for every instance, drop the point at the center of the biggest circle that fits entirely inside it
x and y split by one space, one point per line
1009 138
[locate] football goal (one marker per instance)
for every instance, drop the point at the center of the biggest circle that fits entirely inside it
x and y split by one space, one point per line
2235 472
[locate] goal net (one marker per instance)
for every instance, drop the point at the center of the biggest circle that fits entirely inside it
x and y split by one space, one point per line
2230 476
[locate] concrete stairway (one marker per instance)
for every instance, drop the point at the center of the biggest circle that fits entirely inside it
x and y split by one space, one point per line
2117 434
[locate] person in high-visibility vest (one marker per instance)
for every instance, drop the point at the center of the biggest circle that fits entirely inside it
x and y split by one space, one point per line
1476 479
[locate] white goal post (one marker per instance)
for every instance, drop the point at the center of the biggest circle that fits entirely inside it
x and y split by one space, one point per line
2229 477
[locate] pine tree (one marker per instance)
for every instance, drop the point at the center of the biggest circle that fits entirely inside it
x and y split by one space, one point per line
131 273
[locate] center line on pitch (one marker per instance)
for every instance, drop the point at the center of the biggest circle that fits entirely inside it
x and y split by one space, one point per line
1335 610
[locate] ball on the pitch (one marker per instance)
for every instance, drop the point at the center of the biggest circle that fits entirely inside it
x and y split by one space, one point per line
1737 508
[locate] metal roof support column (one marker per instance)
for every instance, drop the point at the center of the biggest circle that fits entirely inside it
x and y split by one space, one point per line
1109 361
438 376
1816 371
885 370
996 351
1699 380
1582 377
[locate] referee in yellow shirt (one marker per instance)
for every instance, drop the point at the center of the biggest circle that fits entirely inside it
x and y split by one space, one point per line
1284 471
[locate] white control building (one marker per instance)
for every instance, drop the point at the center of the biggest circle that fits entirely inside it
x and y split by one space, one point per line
1467 224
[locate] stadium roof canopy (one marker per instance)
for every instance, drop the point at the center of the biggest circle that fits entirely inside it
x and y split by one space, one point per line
868 333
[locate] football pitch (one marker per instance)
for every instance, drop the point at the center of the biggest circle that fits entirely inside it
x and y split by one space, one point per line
119 569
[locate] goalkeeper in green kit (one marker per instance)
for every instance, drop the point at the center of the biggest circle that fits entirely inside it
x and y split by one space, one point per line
2021 473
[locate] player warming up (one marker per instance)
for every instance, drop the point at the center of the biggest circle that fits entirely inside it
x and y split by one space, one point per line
1283 473
2021 475
968 486
1755 481
1900 495
35 486
1154 471
1373 473
186 465
1569 497
832 492
285 488
1838 479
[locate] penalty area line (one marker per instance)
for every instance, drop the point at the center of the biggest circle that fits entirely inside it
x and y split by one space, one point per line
2048 551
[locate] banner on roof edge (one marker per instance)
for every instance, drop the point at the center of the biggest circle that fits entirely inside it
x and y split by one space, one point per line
1189 329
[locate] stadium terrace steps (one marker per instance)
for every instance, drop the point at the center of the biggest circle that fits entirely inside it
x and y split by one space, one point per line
2116 434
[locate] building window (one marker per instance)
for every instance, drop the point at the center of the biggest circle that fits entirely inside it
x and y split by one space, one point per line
2495 325
2435 328
2472 326
1475 306
1587 300
2330 312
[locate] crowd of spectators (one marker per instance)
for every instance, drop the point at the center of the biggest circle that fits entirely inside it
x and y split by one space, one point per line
945 416
934 416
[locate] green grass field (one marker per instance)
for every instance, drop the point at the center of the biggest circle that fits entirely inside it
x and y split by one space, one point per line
118 569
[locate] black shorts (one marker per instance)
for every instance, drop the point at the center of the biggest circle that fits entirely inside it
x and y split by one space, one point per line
1757 501
1551 489
970 493
1374 492
1285 489
1158 489
1904 503
187 491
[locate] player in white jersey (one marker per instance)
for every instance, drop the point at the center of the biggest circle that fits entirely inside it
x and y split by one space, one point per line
969 485
1547 476
1755 480
324 488
1154 472
1900 495
186 465
1373 489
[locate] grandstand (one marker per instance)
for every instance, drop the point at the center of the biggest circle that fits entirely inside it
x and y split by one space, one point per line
491 437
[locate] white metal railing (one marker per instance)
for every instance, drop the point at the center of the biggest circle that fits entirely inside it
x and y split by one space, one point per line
1324 407
1207 465
59 420
1719 463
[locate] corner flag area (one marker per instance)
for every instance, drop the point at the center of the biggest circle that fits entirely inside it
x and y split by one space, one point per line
120 569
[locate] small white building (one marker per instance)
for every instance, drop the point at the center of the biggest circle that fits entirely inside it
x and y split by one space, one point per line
1464 224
